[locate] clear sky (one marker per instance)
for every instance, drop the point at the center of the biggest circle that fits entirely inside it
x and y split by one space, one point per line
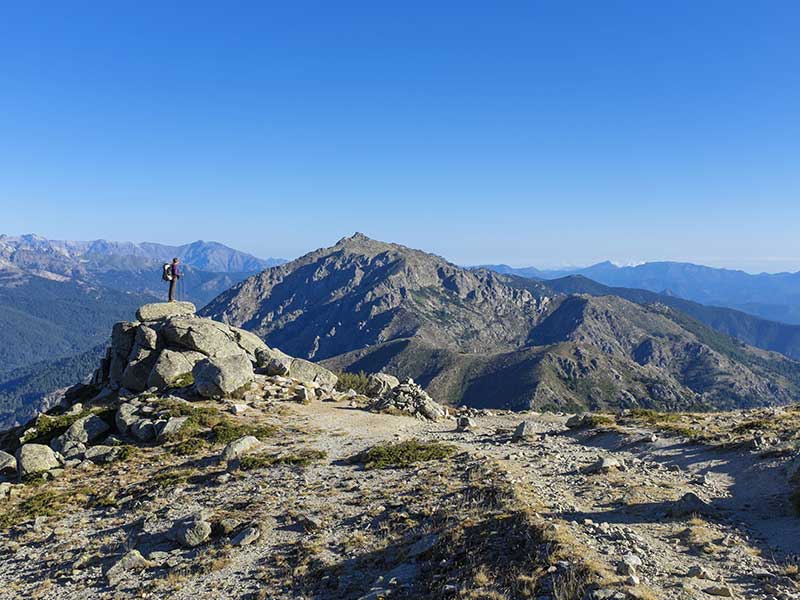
524 132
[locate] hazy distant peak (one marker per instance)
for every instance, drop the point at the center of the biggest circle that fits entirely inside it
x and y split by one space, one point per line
207 256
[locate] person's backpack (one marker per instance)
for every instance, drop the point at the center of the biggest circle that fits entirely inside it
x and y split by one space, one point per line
166 272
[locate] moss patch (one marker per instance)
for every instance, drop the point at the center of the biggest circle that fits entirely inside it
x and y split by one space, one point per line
172 478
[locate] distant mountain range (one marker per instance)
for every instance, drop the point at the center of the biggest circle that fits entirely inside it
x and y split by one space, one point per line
771 296
487 339
98 255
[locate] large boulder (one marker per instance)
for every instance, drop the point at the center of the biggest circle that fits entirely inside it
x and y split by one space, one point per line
249 342
35 458
222 376
308 371
122 339
171 367
192 531
381 383
131 563
125 417
526 430
146 337
170 428
240 447
138 370
164 310
202 335
84 430
273 362
143 430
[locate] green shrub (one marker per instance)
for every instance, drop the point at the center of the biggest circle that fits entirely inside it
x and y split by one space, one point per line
172 477
48 427
208 425
200 418
227 431
127 452
303 458
403 454
189 446
595 420
353 381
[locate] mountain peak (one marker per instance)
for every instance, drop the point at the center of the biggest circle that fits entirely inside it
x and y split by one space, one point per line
356 239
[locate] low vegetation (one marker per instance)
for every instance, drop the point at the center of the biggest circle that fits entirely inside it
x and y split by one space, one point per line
43 501
206 426
302 458
48 427
671 423
227 431
357 382
403 454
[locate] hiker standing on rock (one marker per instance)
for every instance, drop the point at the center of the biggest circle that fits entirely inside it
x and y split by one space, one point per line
171 273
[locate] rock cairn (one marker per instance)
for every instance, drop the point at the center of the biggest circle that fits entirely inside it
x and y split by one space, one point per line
408 398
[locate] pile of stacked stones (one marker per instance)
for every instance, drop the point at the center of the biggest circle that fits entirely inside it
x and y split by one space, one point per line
410 399
167 354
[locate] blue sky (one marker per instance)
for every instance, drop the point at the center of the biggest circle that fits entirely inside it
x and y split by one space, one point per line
542 133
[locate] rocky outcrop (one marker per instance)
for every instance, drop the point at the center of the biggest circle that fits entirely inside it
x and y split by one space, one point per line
171 366
172 347
274 362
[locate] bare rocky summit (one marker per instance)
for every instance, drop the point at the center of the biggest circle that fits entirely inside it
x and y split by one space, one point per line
487 340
